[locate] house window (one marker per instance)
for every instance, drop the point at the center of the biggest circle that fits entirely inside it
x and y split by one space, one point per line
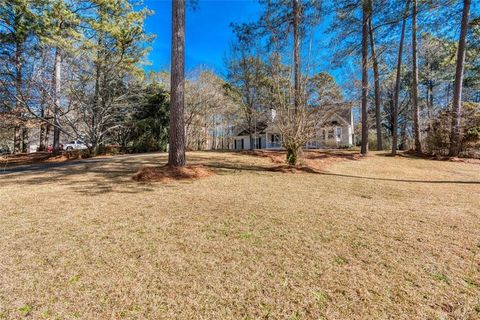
338 133
330 134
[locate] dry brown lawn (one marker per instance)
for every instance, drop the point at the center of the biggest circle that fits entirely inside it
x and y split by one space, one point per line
372 238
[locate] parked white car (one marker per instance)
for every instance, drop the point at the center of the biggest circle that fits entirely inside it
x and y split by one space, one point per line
75 145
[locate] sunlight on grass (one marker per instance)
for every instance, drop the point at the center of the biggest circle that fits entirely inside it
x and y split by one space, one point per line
354 238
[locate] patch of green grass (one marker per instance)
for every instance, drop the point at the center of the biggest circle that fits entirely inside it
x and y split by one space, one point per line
341 261
25 310
359 244
47 313
296 316
471 283
163 308
441 277
74 279
321 297
246 235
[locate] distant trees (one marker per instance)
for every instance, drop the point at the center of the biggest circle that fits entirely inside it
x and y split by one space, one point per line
77 64
145 129
247 76
210 111
17 22
72 69
283 25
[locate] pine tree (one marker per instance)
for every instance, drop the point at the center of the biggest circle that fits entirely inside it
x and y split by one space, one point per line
366 9
396 100
176 152
455 146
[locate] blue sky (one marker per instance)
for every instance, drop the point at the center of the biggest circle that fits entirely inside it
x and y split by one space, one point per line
208 32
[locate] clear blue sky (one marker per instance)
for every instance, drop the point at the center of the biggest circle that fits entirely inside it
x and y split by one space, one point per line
208 32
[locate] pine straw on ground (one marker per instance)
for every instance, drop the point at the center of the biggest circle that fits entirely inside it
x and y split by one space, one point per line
378 238
311 161
168 174
23 158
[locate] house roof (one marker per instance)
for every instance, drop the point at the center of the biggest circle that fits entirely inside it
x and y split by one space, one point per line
258 128
343 113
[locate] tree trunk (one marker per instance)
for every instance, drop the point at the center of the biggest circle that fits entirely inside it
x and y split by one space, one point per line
403 135
15 140
416 109
296 52
18 132
429 97
41 140
366 8
24 139
56 108
376 78
176 152
457 90
397 84
292 154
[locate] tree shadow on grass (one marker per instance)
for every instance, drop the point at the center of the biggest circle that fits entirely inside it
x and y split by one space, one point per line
399 180
307 169
113 175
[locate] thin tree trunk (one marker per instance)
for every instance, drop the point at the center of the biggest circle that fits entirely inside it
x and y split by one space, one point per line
24 139
366 8
47 131
376 78
57 79
397 84
15 129
296 51
457 90
17 141
41 140
176 152
403 135
416 109
430 100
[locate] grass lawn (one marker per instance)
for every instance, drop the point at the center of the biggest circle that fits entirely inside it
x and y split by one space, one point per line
373 238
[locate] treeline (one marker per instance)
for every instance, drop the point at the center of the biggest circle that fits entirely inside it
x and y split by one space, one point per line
420 72
70 67
416 77
73 69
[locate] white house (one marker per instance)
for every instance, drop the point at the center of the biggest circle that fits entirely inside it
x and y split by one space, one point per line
337 132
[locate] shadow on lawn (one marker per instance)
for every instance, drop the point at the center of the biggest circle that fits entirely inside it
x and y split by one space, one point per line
100 176
307 169
106 175
399 180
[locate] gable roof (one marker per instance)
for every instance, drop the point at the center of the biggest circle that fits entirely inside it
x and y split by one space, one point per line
258 128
